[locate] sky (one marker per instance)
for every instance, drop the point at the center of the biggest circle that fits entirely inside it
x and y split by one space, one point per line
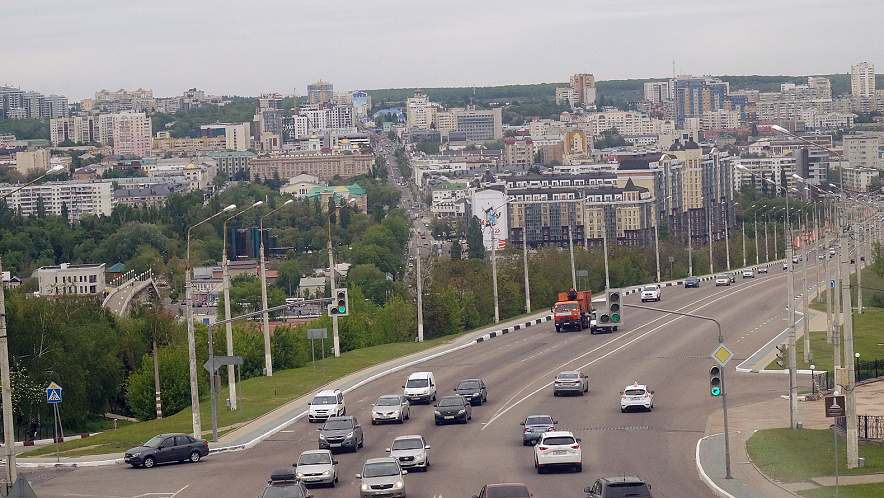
227 47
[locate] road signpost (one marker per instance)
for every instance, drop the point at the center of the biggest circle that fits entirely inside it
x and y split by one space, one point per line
53 397
320 334
722 355
835 407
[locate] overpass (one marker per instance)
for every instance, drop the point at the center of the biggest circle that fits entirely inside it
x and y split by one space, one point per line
128 289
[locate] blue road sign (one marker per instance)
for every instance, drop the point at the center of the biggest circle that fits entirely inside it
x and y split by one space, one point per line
832 284
53 393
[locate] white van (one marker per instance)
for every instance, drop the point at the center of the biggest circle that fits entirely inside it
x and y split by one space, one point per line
420 387
327 403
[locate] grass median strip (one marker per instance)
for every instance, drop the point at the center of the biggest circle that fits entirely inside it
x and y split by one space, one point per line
258 396
789 455
854 491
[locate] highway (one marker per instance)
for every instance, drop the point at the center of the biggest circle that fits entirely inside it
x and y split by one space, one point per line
667 352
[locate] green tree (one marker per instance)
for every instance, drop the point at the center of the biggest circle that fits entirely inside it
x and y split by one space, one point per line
475 244
455 249
288 276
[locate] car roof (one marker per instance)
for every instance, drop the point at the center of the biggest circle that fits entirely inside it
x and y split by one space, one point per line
456 396
623 479
540 415
420 375
341 417
636 386
412 436
328 392
470 380
309 452
557 434
381 460
505 484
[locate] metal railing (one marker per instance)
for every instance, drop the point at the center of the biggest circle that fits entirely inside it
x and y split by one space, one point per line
869 427
825 381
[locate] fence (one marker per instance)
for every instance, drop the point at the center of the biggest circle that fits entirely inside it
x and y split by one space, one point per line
825 381
868 426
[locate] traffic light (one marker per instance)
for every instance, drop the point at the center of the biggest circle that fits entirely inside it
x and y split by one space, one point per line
339 305
615 311
781 356
715 380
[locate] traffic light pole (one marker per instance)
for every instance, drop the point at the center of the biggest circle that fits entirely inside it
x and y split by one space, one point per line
727 439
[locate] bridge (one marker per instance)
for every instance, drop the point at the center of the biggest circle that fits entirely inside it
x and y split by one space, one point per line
128 288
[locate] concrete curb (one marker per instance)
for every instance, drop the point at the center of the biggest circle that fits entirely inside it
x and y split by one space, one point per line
43 442
703 475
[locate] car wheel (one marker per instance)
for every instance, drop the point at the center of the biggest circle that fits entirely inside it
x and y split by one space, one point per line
480 401
434 397
615 329
622 410
581 392
558 329
578 467
555 393
195 456
408 415
149 462
437 422
134 465
539 469
361 443
524 443
374 422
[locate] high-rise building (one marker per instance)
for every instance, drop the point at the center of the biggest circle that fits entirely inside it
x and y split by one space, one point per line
319 92
132 134
862 80
420 112
77 197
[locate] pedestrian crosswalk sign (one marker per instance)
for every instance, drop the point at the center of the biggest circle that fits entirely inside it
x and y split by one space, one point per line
53 393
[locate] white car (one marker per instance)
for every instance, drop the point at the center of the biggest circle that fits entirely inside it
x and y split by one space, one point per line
722 280
636 395
317 467
762 269
411 452
748 273
557 448
327 403
651 292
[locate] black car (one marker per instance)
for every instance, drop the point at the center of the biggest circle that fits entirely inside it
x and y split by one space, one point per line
167 448
618 487
341 433
472 389
691 282
453 409
284 484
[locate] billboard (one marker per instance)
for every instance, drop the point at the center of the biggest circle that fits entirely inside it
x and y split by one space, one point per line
490 207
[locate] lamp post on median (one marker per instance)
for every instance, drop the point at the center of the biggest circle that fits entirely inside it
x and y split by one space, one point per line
8 426
191 344
268 361
755 232
331 267
225 275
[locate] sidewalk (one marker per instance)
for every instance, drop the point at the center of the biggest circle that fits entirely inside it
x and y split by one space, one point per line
252 433
747 481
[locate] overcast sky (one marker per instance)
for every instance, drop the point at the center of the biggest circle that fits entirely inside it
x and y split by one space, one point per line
226 47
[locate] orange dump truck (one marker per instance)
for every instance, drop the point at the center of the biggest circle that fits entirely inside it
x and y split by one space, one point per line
573 310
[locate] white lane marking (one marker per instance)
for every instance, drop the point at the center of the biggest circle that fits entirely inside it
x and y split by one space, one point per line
179 491
505 409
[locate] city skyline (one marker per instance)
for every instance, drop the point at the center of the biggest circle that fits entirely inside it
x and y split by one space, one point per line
397 44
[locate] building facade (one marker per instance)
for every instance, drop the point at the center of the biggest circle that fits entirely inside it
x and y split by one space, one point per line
322 166
71 280
76 197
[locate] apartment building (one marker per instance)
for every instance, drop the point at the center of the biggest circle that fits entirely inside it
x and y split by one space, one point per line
232 163
32 160
471 123
861 151
153 197
322 166
420 112
580 93
518 152
319 92
657 92
16 103
626 123
862 80
860 178
77 197
71 280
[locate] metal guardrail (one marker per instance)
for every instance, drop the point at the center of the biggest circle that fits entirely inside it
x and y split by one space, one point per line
825 381
869 427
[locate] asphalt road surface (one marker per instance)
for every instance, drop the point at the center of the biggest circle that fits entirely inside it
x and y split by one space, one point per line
669 353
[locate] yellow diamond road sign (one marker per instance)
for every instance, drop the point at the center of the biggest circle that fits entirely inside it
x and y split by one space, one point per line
722 354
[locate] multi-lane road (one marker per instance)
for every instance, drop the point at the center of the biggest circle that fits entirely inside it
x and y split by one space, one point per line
667 352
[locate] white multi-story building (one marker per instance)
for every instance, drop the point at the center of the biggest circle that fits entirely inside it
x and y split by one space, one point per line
71 280
32 160
627 123
720 120
861 151
132 134
77 197
862 80
658 91
238 136
859 179
420 112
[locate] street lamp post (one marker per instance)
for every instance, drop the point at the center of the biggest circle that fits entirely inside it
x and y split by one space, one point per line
231 377
331 266
690 256
265 317
766 222
755 233
191 345
709 213
8 426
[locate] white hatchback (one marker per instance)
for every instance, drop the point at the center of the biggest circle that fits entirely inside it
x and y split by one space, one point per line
636 395
557 448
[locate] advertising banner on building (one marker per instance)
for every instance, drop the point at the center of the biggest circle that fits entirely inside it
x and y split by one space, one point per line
490 207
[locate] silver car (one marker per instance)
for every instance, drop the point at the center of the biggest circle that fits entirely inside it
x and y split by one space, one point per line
317 467
381 477
571 381
390 408
411 451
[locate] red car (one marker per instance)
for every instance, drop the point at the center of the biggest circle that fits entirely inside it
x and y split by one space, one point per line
508 490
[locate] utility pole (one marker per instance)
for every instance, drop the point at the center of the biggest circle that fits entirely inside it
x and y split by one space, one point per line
849 360
806 291
420 305
8 427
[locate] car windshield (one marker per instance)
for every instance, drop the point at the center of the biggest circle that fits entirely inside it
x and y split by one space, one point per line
566 307
325 400
567 375
155 441
723 277
314 459
380 469
451 401
468 384
387 401
650 288
627 489
635 392
508 492
542 420
284 490
408 444
335 425
417 383
559 440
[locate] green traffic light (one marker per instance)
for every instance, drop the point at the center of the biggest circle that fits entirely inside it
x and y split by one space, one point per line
716 391
342 309
615 317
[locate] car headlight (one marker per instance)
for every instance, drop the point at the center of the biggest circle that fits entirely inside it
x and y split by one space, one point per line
399 484
321 436
348 436
461 412
396 413
300 475
364 487
137 453
436 412
326 473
